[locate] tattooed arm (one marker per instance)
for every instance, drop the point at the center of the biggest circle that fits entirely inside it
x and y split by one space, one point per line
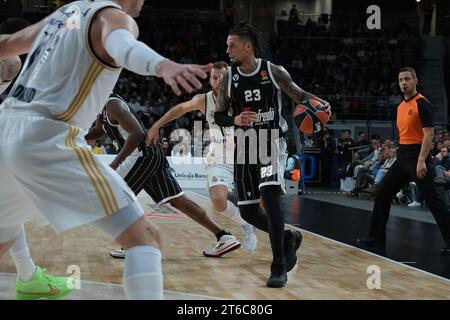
284 81
223 104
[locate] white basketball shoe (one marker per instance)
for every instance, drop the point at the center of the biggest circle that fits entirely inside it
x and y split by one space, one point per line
226 243
250 239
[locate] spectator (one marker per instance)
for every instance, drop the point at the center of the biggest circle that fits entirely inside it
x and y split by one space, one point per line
366 175
182 149
166 147
344 145
390 158
327 147
96 147
361 140
292 171
443 168
293 15
229 12
375 150
427 8
415 195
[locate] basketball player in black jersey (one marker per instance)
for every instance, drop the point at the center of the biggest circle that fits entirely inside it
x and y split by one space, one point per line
249 97
147 168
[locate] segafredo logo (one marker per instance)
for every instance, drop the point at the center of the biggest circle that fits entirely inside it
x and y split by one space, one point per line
264 117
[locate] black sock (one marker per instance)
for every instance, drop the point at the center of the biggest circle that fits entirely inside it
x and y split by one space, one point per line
271 196
221 233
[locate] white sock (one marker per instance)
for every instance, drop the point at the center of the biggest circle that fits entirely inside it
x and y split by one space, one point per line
233 213
142 275
22 259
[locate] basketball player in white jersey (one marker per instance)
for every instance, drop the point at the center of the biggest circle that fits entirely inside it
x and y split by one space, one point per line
146 168
220 156
29 276
48 173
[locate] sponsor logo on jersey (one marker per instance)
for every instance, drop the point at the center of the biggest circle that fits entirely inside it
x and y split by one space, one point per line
264 75
264 117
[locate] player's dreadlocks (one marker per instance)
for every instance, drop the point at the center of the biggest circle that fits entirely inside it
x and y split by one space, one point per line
246 30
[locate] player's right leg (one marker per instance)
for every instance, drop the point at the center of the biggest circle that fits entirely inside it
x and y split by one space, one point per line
139 237
219 199
69 187
32 282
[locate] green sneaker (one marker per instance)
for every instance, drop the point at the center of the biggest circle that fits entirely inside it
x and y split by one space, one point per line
43 285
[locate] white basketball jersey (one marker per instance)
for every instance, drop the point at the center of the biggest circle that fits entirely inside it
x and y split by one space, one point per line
222 138
62 77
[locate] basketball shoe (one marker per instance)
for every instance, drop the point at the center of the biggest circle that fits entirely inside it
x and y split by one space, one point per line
292 241
118 253
43 285
226 243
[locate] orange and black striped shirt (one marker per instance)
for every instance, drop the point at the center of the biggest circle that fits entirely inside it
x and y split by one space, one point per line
413 115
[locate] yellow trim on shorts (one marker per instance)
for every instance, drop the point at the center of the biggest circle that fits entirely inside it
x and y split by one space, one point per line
88 81
98 180
71 144
114 204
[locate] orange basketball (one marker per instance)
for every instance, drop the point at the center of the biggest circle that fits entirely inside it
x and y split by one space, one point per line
310 116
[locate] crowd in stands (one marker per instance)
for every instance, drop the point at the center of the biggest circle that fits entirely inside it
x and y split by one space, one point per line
355 69
367 162
354 74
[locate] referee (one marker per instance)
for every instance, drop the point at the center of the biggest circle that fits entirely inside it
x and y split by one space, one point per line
415 125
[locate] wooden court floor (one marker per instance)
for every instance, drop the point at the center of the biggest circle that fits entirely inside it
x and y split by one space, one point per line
327 269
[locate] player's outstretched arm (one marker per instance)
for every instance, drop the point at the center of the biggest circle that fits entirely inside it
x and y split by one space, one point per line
196 103
118 113
118 32
20 42
96 132
288 86
223 100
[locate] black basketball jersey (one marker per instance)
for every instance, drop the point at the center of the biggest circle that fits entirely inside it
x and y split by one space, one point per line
258 92
116 133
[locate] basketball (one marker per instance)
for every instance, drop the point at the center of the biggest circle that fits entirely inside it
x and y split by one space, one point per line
310 116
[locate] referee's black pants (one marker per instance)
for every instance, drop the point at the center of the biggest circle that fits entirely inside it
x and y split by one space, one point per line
402 171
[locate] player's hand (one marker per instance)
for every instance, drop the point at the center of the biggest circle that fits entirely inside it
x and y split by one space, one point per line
421 169
186 75
326 106
152 135
245 119
113 166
